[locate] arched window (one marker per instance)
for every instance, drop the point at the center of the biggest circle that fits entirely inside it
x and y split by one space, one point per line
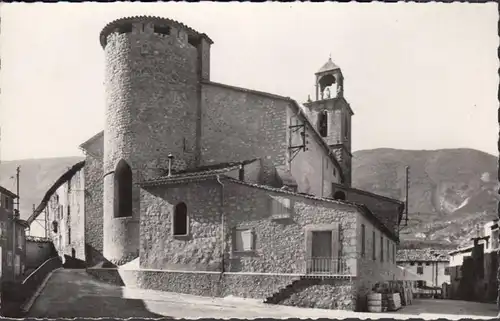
180 219
122 204
323 123
339 195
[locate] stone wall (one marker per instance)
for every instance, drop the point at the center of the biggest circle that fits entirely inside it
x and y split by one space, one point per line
258 124
152 109
338 111
313 293
240 124
313 169
371 269
385 209
280 245
201 249
252 285
335 294
93 172
38 252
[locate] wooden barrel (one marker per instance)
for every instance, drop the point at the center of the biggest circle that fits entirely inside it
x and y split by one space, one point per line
375 296
375 302
374 308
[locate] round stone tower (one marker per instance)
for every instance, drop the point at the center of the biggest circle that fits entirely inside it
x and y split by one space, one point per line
153 70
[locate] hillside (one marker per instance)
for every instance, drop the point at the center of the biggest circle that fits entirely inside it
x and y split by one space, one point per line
451 190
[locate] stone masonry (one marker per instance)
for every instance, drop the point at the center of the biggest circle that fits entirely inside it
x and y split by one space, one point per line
163 111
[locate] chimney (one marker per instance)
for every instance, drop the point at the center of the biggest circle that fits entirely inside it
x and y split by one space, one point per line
170 160
242 173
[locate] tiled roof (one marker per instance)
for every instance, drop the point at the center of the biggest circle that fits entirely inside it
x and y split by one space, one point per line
38 239
5 191
426 255
203 171
461 250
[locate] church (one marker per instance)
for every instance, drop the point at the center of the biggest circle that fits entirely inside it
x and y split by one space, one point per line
205 188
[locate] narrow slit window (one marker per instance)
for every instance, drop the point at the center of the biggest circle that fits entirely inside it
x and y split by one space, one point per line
181 220
323 123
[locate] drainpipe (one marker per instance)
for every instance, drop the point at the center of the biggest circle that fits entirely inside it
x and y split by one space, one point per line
223 240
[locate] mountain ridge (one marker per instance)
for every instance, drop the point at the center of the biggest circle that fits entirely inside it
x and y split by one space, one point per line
451 190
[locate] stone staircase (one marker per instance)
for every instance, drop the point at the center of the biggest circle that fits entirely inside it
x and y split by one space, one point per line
294 287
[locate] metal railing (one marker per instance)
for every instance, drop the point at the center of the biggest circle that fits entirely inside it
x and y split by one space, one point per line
327 266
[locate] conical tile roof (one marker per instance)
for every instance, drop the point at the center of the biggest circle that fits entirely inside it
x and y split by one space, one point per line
328 66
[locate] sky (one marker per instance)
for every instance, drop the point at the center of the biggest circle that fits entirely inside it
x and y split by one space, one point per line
417 76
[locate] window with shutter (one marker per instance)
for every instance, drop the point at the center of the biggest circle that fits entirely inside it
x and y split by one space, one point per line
381 248
281 207
243 240
374 247
9 258
363 240
17 265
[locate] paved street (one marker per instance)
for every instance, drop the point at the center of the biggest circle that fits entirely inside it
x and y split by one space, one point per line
73 293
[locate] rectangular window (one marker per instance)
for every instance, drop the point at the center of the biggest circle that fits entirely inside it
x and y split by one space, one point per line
69 235
281 207
388 249
20 239
9 258
446 271
381 248
17 265
363 240
420 269
243 240
374 247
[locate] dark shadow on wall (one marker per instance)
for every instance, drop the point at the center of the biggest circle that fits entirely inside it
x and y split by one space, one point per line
73 263
95 258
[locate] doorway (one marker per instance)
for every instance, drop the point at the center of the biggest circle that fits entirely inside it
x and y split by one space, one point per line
321 252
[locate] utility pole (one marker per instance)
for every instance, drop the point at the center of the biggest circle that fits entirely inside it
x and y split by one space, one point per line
407 170
18 172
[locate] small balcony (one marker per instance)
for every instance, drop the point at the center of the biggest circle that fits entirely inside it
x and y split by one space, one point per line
327 266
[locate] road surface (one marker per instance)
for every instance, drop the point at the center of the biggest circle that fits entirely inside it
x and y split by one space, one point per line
74 293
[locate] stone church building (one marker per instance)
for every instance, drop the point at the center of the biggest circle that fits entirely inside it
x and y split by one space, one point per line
205 188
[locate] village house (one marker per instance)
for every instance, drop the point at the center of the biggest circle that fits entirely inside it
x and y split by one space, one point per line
63 217
474 268
209 189
12 238
432 266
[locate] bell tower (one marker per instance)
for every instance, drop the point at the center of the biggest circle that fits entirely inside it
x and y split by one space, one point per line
331 114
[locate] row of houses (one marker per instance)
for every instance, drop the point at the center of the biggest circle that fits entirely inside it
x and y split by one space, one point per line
468 273
473 269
